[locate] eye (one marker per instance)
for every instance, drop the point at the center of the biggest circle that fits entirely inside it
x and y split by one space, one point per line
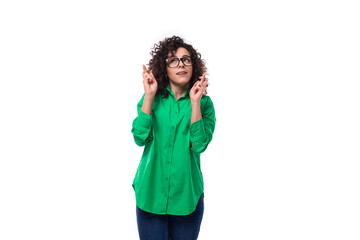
187 60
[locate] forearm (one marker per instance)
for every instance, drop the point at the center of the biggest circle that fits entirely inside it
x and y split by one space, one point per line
195 112
147 104
202 125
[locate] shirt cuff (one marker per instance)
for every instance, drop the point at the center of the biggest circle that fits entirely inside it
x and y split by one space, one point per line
197 129
144 121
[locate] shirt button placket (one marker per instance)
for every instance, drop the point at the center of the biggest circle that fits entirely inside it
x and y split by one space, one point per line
171 145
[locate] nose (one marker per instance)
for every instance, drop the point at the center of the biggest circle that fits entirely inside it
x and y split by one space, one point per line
181 64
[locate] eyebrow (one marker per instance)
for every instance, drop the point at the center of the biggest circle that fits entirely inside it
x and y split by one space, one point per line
182 56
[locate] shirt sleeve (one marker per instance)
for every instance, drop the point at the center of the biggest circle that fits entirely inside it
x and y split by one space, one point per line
141 126
201 131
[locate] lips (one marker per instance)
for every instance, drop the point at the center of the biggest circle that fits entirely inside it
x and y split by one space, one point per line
181 73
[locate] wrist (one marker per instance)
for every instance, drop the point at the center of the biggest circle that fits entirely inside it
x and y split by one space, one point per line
150 96
147 104
195 103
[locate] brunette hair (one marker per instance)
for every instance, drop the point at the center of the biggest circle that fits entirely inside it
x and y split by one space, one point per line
157 63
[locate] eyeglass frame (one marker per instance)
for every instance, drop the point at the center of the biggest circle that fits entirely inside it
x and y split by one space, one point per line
179 59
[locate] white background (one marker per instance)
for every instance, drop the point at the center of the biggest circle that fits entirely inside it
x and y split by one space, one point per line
284 79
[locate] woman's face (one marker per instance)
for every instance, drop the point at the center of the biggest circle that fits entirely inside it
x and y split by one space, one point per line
178 72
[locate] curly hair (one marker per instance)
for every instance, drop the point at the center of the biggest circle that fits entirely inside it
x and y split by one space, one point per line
157 63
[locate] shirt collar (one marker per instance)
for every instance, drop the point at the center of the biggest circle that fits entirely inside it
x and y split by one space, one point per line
171 92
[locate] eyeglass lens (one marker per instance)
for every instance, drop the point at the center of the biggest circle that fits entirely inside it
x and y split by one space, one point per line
174 62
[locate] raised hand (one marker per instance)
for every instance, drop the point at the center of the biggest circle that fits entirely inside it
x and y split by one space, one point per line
150 83
198 89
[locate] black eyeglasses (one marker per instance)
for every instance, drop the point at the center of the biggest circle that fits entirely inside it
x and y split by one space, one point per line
173 62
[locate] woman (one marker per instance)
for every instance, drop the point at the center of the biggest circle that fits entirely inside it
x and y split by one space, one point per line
175 123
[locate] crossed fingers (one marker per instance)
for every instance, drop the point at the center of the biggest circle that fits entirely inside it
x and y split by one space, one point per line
147 75
202 84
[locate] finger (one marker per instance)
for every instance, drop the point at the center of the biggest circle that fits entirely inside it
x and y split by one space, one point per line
198 85
146 77
203 86
205 73
145 69
203 82
203 76
149 79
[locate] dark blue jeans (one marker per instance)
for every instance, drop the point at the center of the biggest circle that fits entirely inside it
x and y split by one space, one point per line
170 227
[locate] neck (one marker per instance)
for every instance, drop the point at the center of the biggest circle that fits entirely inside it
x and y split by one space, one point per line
178 91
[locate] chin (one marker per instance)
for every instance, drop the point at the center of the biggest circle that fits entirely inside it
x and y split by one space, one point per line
180 80
183 82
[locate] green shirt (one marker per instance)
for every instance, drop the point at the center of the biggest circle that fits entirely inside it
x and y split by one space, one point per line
169 178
